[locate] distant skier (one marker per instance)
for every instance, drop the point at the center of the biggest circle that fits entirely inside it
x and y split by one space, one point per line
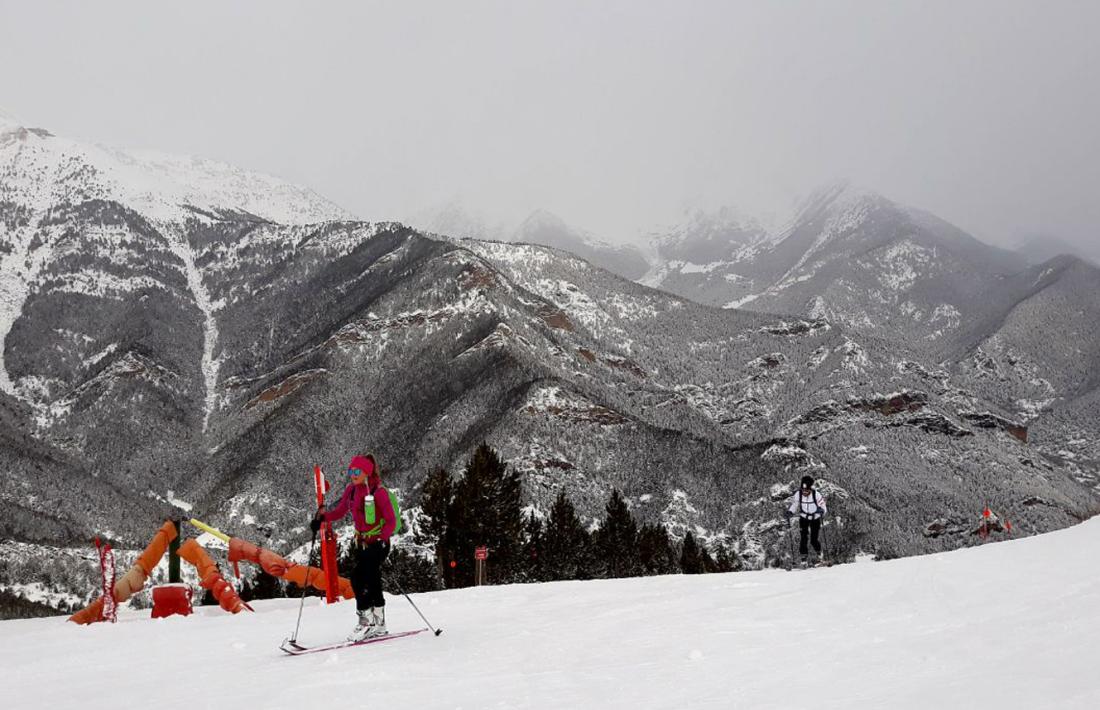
373 514
809 505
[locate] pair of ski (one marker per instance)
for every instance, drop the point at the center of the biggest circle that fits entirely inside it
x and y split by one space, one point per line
810 565
294 648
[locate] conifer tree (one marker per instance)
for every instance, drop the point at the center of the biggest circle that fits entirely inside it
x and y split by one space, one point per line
408 571
532 548
655 551
725 559
436 530
485 511
691 559
435 498
263 586
617 540
566 544
707 561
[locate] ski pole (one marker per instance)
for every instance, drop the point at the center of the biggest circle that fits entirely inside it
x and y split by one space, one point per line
302 604
434 630
790 539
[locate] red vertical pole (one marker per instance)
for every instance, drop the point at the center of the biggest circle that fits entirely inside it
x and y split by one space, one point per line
107 577
328 543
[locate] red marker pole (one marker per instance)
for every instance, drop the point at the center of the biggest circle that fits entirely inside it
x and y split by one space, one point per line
107 578
328 542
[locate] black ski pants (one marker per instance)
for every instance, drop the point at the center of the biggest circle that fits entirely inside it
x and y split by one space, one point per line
366 578
813 527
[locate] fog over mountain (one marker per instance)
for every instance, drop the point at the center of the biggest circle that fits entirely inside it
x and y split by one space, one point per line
618 117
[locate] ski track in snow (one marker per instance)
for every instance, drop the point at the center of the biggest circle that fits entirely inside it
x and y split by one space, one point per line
1008 625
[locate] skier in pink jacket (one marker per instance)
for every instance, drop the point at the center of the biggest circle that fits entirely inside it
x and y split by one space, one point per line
809 505
375 521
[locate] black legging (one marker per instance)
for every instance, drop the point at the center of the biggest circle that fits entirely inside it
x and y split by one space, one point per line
814 527
366 578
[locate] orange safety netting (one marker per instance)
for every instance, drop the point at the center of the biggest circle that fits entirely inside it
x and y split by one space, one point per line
134 579
280 567
211 578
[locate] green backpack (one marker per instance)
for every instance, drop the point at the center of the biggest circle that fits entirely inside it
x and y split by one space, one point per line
372 515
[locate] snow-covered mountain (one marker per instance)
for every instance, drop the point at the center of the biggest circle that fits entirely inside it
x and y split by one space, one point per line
454 219
41 170
542 227
102 301
158 350
857 258
1024 337
709 256
1008 625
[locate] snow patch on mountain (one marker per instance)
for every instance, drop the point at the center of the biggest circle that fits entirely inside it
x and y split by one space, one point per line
744 301
103 284
519 260
579 305
855 357
95 358
20 268
210 364
848 210
556 402
947 317
634 308
897 265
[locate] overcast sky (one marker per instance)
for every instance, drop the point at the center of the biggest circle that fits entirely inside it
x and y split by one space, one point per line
616 115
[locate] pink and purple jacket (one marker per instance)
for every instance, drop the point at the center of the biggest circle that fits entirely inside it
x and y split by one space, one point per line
355 499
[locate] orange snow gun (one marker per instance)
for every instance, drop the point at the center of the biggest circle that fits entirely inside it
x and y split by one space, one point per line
276 565
211 578
133 581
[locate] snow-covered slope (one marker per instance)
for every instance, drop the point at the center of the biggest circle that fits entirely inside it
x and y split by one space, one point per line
1010 625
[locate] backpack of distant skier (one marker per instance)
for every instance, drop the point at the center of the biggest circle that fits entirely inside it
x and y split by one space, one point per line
371 514
802 504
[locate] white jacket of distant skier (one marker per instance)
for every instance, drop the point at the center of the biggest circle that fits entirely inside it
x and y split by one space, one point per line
810 506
